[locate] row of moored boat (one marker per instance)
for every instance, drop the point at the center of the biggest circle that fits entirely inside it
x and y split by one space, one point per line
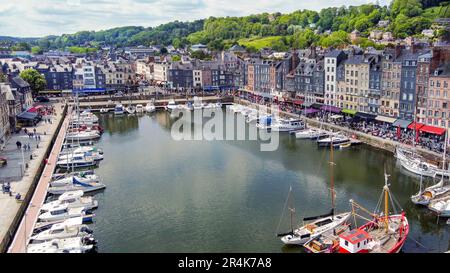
62 225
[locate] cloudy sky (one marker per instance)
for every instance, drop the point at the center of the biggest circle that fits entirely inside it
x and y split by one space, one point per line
35 18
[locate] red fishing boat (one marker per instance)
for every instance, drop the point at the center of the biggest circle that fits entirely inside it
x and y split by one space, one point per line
385 233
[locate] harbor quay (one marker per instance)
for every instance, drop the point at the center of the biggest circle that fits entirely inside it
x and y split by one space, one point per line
107 103
377 142
23 181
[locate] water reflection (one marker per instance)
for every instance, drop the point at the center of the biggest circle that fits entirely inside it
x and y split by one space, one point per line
203 196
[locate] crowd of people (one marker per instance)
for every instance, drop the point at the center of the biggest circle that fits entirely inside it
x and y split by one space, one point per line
376 128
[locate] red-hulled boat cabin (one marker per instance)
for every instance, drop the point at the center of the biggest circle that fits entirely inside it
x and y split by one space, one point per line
354 241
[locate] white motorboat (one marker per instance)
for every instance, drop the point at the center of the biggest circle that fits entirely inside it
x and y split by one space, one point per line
119 109
75 186
265 123
311 133
150 108
440 206
70 179
130 109
82 136
139 108
104 110
197 105
67 245
94 155
77 149
78 161
73 199
336 140
286 125
72 227
171 105
62 212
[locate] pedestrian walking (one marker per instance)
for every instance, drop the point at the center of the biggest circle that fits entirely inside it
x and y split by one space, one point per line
19 144
39 137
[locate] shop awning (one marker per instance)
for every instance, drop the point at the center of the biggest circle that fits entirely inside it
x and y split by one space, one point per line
28 115
316 105
348 111
415 126
331 109
402 123
365 116
298 102
308 111
385 119
432 130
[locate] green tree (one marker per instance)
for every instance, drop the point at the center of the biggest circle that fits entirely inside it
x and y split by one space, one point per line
35 80
36 50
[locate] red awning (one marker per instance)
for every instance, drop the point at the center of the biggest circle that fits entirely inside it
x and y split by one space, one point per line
432 130
415 126
32 110
299 102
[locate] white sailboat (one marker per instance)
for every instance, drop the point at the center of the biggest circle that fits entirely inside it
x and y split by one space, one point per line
434 191
82 136
70 179
316 226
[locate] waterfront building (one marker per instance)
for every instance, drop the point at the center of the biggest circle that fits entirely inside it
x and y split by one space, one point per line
375 75
438 110
58 77
160 71
356 83
422 77
180 76
390 82
22 92
409 59
5 128
331 62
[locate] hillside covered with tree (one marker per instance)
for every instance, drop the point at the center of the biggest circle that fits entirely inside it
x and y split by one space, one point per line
299 29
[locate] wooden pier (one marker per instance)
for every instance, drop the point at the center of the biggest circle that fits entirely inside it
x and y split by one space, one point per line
26 226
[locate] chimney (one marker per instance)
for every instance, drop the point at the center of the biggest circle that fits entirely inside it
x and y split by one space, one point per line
398 51
295 60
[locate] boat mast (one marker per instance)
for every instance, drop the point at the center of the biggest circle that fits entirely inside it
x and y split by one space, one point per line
332 175
386 201
291 209
445 152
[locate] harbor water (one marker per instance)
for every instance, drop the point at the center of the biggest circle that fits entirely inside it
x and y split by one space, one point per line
165 195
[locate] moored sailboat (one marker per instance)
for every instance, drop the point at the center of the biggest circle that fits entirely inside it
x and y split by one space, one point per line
384 233
315 226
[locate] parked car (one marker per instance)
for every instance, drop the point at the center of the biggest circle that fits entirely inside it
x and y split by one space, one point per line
41 99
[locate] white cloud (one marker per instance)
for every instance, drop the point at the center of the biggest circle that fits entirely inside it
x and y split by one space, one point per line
33 18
